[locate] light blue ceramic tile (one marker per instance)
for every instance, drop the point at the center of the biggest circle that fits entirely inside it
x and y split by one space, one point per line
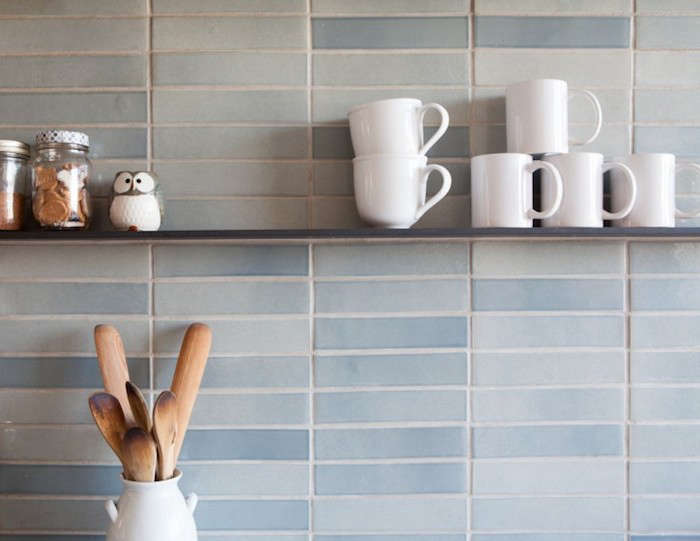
390 406
570 477
390 443
392 537
559 368
666 106
390 33
664 330
225 214
231 298
378 259
554 257
547 294
390 478
589 440
665 294
665 514
228 6
407 369
389 6
679 140
664 257
664 440
57 515
669 6
181 33
666 68
391 296
413 332
547 331
552 32
548 405
45 406
664 367
246 371
240 336
65 480
552 7
391 514
541 536
250 409
253 515
390 69
230 260
668 32
665 538
267 479
254 444
664 477
229 68
671 404
547 514
75 443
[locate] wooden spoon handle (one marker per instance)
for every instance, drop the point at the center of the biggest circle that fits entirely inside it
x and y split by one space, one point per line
115 371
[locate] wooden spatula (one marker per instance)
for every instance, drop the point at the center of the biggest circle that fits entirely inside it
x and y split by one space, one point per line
139 407
109 417
139 452
165 433
115 371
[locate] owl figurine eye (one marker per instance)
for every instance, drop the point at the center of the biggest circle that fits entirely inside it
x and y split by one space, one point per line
123 182
143 182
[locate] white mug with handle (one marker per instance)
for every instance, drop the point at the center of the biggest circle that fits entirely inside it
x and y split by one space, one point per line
393 126
502 190
537 116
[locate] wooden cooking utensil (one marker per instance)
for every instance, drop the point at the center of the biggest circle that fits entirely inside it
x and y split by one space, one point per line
139 452
115 371
139 408
165 433
109 417
188 376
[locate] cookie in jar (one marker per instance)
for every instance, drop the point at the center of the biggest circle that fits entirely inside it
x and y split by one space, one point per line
60 175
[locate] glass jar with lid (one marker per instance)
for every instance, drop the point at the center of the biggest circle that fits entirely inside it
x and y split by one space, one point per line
14 156
60 174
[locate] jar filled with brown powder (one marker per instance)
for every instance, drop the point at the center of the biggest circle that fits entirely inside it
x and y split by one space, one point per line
13 174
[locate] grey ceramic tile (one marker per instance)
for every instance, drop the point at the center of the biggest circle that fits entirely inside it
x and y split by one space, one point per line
265 106
548 405
665 294
552 32
393 537
229 33
374 406
659 331
264 213
672 404
240 336
407 369
388 6
390 69
664 367
544 536
230 142
390 514
390 479
390 33
230 260
231 298
664 514
664 477
250 409
666 106
570 477
679 140
253 444
664 537
602 513
575 440
547 294
668 32
414 332
390 443
559 368
664 257
45 443
231 68
228 6
253 515
547 331
22 514
45 406
65 480
666 68
669 6
664 441
552 7
76 7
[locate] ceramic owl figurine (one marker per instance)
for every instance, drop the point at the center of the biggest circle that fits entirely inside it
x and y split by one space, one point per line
136 202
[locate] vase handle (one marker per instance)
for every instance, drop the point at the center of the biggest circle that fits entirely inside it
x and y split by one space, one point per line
111 510
191 502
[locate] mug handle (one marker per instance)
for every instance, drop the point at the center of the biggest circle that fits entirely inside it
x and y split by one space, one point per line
598 115
444 122
446 185
682 213
631 184
531 168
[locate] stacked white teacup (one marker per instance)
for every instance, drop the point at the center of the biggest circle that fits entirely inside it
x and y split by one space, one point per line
390 168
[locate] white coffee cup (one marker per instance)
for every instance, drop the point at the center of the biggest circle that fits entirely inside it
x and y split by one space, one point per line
390 191
393 126
582 203
656 190
502 190
537 116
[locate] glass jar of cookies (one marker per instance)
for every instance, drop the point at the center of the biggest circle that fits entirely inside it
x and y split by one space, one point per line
14 156
60 174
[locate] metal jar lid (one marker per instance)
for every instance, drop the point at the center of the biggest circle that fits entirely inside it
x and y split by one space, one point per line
62 136
14 147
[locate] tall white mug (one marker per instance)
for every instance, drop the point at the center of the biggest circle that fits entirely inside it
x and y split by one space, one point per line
390 191
393 126
656 190
537 116
582 203
502 190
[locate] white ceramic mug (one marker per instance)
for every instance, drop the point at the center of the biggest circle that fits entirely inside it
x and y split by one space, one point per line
502 190
582 203
656 190
393 126
390 191
537 116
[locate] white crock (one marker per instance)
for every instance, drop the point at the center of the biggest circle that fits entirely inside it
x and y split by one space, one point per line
152 511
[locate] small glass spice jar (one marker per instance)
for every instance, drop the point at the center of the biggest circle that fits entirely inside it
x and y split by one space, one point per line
60 174
14 156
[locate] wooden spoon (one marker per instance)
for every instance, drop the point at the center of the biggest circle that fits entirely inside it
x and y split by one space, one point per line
139 407
109 417
188 376
115 371
139 452
165 433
